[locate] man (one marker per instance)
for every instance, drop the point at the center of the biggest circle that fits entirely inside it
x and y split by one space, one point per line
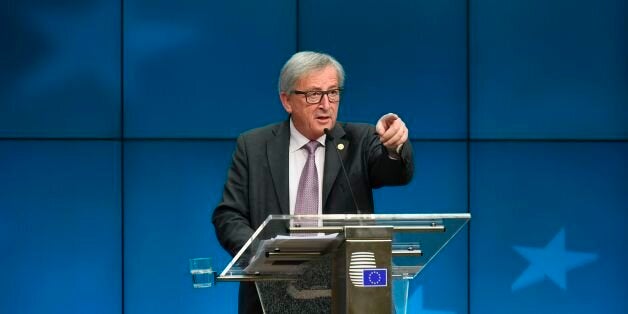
292 167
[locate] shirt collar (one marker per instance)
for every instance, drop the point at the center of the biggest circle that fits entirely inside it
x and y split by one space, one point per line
298 140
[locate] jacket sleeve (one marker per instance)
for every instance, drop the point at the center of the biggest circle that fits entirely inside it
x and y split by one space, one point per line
231 218
384 170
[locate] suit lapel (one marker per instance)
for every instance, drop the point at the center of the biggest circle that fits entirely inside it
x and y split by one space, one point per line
277 154
332 164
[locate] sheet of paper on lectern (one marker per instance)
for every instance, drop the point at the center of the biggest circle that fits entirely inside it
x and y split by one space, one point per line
285 254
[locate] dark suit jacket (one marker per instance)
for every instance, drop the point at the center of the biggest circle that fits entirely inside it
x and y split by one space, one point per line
257 183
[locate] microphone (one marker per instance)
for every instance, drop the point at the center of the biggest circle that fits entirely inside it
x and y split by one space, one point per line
344 171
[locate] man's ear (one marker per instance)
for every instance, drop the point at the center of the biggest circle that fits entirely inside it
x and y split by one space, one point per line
283 96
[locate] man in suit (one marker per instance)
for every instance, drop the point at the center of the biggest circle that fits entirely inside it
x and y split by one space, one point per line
269 163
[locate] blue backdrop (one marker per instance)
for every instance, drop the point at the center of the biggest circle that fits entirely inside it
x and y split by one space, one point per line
118 121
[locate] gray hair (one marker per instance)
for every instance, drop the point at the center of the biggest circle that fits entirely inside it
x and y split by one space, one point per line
302 63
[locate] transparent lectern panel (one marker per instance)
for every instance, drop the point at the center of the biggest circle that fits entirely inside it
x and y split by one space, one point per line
413 248
283 246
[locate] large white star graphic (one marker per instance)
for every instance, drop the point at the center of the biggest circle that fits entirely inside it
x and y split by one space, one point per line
553 261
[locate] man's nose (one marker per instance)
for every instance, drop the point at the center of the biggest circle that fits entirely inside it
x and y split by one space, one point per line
324 102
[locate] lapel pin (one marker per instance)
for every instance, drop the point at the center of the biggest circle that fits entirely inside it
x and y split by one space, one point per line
341 146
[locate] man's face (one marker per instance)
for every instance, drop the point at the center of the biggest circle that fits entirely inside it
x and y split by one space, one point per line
312 119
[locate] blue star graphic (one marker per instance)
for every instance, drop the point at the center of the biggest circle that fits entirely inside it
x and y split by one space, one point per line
419 305
553 261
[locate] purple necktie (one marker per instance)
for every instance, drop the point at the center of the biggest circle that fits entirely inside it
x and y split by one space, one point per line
307 193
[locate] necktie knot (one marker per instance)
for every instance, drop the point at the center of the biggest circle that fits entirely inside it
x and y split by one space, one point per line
311 147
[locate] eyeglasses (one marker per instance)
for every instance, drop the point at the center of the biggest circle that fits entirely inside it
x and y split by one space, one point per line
315 96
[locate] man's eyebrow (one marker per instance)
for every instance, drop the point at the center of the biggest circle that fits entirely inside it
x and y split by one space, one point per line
320 89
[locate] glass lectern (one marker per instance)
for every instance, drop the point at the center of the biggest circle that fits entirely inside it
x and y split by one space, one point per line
340 263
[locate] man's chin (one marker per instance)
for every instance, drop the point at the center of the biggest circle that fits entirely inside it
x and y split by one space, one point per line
325 124
322 128
318 129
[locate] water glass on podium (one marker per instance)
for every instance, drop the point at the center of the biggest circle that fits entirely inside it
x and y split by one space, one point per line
202 273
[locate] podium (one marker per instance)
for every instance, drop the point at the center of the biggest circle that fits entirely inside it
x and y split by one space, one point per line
340 263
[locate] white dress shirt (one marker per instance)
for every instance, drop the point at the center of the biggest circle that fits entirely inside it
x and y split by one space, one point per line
297 156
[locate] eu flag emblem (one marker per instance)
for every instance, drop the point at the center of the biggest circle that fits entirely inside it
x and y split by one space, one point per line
375 277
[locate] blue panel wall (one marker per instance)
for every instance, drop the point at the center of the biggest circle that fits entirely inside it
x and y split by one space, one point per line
59 69
162 88
549 227
60 228
170 190
192 68
407 57
552 69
